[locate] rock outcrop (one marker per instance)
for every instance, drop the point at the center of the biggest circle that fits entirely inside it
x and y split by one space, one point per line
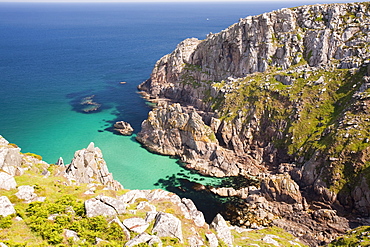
171 130
167 225
10 158
88 166
123 128
281 188
7 182
6 207
222 229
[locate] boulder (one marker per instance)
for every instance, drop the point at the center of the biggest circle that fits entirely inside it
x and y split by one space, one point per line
281 188
95 207
167 225
144 205
124 128
27 193
7 182
222 229
104 205
10 158
136 224
71 234
212 239
196 215
150 216
118 205
6 207
229 191
132 195
195 242
144 238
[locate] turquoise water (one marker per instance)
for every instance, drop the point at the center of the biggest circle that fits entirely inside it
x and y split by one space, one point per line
53 55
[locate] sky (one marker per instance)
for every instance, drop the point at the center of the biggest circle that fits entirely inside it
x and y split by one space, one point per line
298 1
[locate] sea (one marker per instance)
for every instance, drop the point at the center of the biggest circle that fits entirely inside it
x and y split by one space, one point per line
54 55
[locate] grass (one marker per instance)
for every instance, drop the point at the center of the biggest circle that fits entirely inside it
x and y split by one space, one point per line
255 237
357 237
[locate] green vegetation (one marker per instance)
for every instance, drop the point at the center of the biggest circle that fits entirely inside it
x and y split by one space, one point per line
254 236
5 222
49 220
317 111
39 157
357 237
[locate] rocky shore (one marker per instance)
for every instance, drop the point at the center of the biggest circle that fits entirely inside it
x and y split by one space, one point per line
283 96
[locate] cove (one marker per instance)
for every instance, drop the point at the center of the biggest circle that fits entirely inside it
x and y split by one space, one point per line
55 55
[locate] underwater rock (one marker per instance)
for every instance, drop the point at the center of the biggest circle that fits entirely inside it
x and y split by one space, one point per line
89 105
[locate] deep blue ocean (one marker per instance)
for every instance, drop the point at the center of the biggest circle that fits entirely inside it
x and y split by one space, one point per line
52 55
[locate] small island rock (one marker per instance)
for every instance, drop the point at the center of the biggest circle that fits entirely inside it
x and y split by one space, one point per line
124 128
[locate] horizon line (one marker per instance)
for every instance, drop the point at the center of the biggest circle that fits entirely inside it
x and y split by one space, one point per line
161 1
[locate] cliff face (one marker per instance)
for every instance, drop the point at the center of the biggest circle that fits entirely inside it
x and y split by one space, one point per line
282 92
322 35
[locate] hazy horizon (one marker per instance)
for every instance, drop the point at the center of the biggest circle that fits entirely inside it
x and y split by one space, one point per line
158 1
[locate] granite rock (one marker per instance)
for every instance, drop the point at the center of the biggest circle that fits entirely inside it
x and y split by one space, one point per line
6 207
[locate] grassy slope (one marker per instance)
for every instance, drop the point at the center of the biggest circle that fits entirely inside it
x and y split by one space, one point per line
37 230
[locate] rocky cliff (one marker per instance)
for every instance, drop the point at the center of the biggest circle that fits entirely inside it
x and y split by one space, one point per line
285 92
81 205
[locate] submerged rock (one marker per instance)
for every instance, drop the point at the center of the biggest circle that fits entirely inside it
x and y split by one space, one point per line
89 105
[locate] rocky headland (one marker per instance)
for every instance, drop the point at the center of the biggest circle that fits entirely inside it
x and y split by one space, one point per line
283 97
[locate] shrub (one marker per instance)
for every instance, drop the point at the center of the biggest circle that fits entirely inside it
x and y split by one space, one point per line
39 157
5 222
